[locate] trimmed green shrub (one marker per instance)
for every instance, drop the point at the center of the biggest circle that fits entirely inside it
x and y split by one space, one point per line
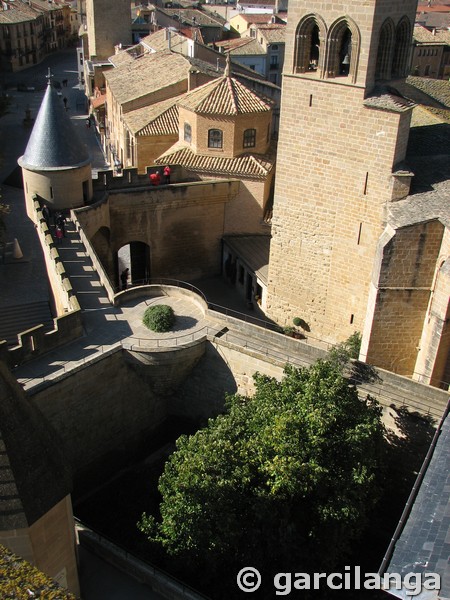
159 318
298 322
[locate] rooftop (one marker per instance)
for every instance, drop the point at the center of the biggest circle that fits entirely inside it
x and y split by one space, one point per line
424 540
247 165
193 17
388 99
18 13
255 18
160 118
273 34
132 80
435 36
245 47
254 250
159 40
53 143
225 96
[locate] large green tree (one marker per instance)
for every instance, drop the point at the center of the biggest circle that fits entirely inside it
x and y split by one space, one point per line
283 480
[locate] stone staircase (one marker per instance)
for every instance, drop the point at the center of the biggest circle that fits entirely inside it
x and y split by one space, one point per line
20 317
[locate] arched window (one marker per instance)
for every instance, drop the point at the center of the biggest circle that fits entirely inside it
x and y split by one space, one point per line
343 49
187 133
249 138
385 50
309 49
215 138
402 44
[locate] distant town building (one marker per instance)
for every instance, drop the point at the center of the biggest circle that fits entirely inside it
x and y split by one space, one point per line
29 31
431 53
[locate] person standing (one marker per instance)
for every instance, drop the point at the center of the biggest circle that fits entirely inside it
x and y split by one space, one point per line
124 278
167 172
155 178
58 234
46 214
61 223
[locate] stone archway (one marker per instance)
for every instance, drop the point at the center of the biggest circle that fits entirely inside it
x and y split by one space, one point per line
135 256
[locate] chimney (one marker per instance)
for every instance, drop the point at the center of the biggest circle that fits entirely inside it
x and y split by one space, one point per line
169 39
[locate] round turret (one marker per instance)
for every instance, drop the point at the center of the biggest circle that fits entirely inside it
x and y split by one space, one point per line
56 165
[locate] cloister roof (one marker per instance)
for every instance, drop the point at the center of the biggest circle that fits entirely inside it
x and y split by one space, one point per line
246 165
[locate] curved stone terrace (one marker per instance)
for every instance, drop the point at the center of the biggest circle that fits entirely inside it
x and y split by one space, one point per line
112 327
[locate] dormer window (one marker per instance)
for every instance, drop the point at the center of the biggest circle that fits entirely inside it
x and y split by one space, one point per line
187 133
249 138
215 137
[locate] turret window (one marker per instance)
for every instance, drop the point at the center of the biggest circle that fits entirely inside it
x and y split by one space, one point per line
215 137
249 138
187 133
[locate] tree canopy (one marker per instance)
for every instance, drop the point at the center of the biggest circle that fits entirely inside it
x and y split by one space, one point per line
283 479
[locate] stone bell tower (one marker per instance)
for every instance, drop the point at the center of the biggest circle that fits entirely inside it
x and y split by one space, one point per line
343 136
108 24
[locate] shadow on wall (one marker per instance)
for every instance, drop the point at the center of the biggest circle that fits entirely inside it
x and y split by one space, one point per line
202 395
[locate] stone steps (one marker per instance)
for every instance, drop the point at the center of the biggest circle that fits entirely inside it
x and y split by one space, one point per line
20 317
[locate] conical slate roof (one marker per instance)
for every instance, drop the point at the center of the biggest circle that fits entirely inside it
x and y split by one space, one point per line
54 143
34 474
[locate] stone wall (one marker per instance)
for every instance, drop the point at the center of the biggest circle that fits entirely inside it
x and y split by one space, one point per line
334 177
60 190
49 544
108 25
328 206
149 147
182 225
404 289
107 409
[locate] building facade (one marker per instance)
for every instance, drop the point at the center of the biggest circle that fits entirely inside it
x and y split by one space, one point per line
340 172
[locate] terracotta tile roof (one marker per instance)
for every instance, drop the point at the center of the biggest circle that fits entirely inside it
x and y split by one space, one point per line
19 13
158 41
127 56
425 36
45 6
98 101
193 33
386 99
273 34
233 43
146 74
433 8
245 46
192 17
160 118
424 116
439 89
257 18
254 166
225 96
256 2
